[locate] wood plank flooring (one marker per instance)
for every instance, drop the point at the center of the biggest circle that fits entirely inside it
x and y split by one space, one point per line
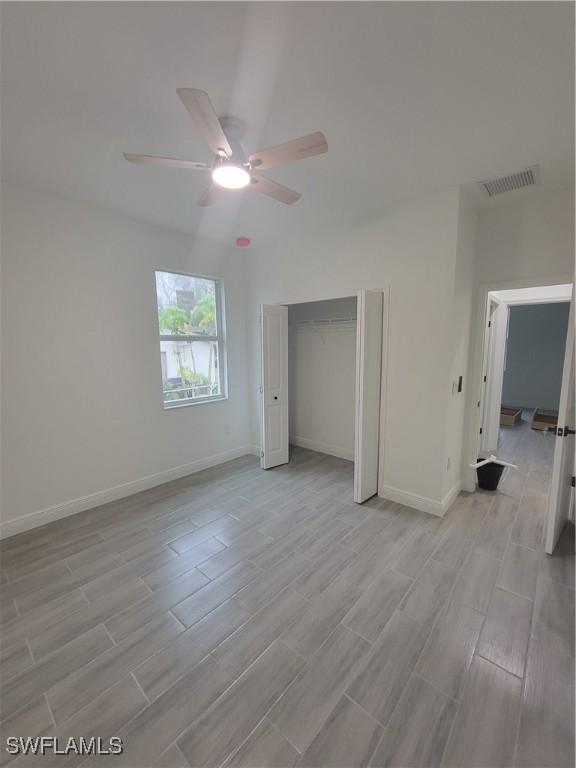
247 618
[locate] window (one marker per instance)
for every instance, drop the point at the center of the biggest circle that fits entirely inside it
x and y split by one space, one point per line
191 325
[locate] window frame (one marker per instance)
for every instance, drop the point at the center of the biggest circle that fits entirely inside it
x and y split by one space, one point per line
219 339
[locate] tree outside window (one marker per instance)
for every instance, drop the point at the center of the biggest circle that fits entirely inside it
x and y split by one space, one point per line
190 321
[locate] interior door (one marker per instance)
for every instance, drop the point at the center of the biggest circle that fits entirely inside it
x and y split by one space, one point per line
496 359
368 384
483 399
274 387
561 496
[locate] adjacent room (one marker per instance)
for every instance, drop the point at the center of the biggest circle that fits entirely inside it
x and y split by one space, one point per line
526 401
532 378
287 384
532 382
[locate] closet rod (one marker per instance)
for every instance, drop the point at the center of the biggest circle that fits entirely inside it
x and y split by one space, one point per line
325 321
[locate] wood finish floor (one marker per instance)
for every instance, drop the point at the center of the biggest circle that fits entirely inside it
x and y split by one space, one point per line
247 618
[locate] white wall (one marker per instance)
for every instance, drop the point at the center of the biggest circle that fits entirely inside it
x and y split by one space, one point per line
331 309
78 282
412 249
79 279
464 275
322 377
535 355
530 237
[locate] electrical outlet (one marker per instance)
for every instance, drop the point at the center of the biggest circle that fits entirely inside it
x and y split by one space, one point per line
448 464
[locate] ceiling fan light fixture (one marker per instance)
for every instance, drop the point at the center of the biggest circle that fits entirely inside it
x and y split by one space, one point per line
230 168
230 176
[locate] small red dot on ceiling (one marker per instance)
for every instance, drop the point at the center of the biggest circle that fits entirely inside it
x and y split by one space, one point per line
243 242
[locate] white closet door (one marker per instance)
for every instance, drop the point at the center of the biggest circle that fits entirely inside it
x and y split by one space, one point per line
561 496
368 383
496 364
274 389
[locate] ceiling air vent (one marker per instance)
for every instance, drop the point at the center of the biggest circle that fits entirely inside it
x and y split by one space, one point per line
526 178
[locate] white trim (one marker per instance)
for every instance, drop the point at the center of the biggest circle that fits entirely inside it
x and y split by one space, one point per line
324 326
369 346
563 463
422 503
315 299
450 497
72 507
384 386
491 396
521 302
220 338
315 445
196 401
547 294
187 337
322 447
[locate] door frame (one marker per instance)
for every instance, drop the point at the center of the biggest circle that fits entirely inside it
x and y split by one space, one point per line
367 471
475 367
384 365
554 518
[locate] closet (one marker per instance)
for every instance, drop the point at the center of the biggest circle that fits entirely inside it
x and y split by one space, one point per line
321 381
322 375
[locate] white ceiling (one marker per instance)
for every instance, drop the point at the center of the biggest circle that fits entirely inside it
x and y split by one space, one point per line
412 97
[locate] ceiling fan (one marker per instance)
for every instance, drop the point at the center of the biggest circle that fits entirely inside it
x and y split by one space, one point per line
230 168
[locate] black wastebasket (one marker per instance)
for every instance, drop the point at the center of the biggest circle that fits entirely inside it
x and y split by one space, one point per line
489 475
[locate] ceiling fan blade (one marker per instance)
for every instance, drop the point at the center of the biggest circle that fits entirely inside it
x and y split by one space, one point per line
210 197
298 149
167 162
273 189
202 112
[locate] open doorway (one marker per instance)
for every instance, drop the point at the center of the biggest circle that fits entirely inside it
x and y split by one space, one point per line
527 400
321 384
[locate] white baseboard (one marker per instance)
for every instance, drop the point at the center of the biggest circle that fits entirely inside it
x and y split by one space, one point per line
469 481
422 503
331 450
450 497
72 507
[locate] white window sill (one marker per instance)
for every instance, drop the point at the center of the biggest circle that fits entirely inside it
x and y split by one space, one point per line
178 405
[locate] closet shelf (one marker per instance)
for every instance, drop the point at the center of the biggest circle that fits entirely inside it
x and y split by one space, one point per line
329 321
